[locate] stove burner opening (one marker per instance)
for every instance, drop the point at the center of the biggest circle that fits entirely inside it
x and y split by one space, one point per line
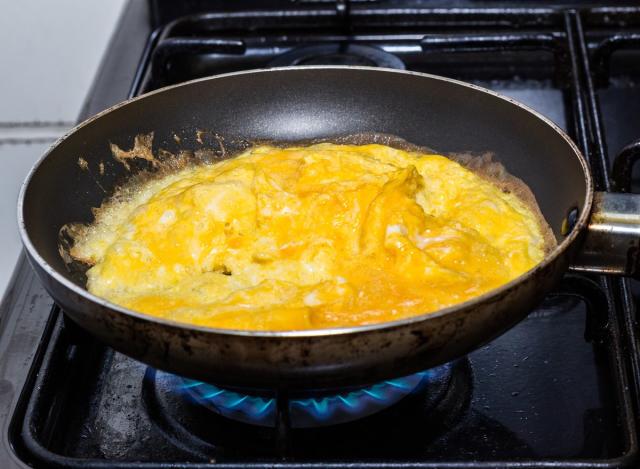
338 54
311 410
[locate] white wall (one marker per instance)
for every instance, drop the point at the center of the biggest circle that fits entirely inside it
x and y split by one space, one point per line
49 53
50 50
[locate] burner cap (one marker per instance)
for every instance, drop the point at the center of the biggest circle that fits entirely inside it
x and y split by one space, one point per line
338 54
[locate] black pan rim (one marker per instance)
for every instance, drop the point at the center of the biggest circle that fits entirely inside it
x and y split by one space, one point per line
353 330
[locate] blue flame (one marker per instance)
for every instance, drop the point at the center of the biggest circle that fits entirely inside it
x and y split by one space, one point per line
311 411
222 399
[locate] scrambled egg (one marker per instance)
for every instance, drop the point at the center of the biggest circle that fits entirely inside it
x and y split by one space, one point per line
309 237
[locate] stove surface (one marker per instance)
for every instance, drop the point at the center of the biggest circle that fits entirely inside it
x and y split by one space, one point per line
558 390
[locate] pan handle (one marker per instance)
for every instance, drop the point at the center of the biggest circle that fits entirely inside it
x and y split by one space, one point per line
612 240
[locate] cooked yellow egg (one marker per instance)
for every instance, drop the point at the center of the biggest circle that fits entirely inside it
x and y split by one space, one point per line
309 237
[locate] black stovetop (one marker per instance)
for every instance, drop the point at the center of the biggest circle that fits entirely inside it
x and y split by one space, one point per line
560 389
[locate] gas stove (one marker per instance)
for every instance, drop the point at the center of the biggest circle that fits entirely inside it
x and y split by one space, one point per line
559 390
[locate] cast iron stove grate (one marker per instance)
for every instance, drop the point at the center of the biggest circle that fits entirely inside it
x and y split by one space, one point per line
559 390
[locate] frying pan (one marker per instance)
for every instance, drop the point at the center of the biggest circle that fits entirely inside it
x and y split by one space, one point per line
302 103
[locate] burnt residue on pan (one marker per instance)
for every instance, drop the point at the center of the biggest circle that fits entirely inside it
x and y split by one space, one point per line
142 148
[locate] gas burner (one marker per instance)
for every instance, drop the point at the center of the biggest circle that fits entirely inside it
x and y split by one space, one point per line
203 417
310 410
338 54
